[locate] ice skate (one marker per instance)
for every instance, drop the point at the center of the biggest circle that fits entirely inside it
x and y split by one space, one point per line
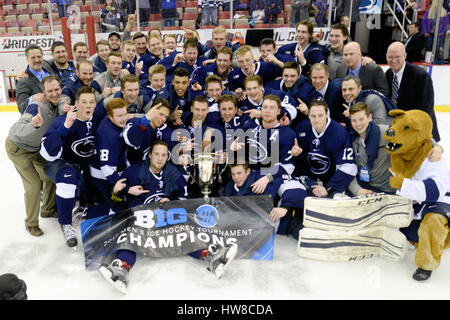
219 258
116 274
70 235
78 213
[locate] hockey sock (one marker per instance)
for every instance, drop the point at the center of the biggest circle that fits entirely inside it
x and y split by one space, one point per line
127 256
199 254
65 207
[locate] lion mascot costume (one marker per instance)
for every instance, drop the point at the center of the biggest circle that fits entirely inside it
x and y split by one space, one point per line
426 183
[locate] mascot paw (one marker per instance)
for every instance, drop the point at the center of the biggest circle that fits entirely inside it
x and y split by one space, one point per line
396 180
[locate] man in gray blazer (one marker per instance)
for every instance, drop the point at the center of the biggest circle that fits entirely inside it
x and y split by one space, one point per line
371 74
36 71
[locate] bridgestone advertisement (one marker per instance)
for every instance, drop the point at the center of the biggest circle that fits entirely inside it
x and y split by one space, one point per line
177 228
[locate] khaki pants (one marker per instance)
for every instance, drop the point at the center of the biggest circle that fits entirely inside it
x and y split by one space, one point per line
434 237
30 166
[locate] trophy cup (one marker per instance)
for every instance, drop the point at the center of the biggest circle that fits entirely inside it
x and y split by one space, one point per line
205 171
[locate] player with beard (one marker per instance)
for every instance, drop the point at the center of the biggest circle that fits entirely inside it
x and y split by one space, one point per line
85 74
63 68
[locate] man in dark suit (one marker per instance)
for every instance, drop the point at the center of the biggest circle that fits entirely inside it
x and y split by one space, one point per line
414 44
415 86
371 74
36 71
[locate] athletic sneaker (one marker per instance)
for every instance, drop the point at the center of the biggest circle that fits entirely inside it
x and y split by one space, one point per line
70 235
116 274
219 257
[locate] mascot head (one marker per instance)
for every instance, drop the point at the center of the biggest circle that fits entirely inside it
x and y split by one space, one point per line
409 130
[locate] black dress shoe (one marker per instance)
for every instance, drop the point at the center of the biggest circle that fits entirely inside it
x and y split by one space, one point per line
421 275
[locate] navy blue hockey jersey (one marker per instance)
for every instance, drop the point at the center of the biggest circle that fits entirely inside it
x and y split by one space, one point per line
75 144
327 156
267 71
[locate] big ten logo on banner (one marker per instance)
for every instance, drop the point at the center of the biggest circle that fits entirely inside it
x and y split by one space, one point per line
158 218
206 216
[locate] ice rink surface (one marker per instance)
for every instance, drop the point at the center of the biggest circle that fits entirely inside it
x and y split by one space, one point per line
52 271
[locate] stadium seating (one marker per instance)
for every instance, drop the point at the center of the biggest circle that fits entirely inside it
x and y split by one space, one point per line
37 10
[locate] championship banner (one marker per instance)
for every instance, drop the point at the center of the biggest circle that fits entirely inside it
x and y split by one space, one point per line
370 6
177 228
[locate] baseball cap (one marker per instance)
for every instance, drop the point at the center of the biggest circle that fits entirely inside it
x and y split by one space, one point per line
114 34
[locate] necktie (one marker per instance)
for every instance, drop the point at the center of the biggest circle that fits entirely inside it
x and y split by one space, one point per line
394 90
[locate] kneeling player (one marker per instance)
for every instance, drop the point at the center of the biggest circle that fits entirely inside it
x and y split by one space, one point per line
288 193
156 180
68 147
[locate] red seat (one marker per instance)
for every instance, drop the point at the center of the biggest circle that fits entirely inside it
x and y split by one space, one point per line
14 23
155 16
30 23
242 26
224 15
85 8
190 16
191 4
13 12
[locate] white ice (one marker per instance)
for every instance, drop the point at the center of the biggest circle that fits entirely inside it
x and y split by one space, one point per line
52 271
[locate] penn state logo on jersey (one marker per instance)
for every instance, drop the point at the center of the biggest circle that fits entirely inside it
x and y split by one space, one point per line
154 198
84 147
319 164
257 151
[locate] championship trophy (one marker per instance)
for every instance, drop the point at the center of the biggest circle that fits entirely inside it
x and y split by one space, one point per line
206 171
